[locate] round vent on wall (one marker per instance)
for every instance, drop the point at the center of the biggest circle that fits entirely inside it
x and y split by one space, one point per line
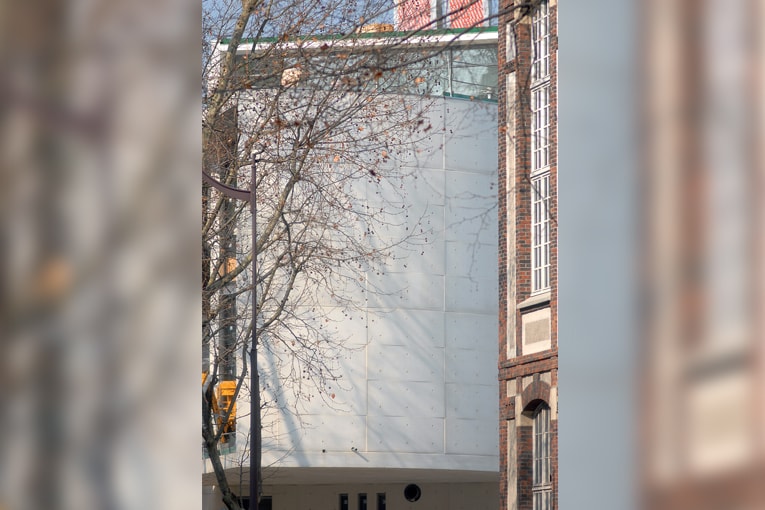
412 492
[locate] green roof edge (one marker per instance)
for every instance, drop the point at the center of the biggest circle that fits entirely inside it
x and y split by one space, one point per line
371 35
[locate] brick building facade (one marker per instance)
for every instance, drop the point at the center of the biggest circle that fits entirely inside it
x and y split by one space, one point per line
528 340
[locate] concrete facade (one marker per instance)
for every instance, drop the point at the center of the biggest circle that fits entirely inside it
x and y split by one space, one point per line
417 402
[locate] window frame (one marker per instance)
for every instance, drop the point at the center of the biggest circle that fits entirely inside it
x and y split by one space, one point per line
540 93
541 488
540 233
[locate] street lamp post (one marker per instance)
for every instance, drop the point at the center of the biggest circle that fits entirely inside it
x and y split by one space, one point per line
254 375
255 432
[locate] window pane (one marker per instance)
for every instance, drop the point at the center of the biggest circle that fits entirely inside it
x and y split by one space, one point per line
540 66
540 234
542 447
474 72
540 129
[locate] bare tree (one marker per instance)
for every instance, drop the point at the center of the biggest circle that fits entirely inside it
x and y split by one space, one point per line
327 110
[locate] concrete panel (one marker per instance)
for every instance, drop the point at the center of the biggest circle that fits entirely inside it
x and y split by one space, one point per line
470 259
471 401
348 326
350 391
336 432
430 155
405 363
471 225
471 331
477 295
476 437
471 367
413 185
402 327
413 435
426 257
471 190
476 153
430 186
428 149
406 398
410 290
470 136
418 224
345 283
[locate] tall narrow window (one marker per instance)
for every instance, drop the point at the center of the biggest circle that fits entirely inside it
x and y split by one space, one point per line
540 111
542 482
540 65
540 150
343 502
540 231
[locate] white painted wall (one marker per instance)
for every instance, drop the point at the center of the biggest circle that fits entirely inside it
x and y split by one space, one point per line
419 386
422 388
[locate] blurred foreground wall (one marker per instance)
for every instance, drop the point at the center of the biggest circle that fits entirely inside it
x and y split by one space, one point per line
661 365
703 433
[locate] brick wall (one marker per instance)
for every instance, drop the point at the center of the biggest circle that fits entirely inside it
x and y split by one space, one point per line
519 399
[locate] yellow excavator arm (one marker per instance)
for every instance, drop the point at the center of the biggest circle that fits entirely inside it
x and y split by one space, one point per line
223 401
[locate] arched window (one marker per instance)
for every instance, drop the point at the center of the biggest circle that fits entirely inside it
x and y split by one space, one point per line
542 464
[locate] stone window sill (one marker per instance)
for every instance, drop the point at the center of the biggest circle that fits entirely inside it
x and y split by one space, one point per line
534 301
